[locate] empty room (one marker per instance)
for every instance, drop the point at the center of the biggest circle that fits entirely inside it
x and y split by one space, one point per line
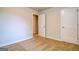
39 29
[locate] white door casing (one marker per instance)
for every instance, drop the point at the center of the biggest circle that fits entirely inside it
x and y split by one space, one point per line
78 26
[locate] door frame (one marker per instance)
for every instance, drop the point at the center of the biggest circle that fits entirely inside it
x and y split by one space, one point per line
78 25
33 24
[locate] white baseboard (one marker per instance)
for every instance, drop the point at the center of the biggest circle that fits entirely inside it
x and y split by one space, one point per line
53 38
15 41
59 39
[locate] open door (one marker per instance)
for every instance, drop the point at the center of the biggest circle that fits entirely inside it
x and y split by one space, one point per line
41 25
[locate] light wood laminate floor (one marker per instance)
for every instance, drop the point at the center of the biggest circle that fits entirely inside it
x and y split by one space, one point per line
38 43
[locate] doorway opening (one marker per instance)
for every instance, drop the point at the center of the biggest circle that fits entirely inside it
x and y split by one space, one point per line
35 25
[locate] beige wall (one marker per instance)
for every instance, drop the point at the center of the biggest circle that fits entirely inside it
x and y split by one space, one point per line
52 22
26 14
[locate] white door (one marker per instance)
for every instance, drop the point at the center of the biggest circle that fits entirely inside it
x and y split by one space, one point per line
69 25
41 25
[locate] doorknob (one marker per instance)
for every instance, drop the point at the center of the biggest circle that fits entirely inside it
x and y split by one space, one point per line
62 26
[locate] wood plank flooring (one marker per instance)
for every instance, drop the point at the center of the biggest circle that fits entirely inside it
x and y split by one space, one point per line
38 43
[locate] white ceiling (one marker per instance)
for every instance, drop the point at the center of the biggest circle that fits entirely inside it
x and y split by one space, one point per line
39 8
